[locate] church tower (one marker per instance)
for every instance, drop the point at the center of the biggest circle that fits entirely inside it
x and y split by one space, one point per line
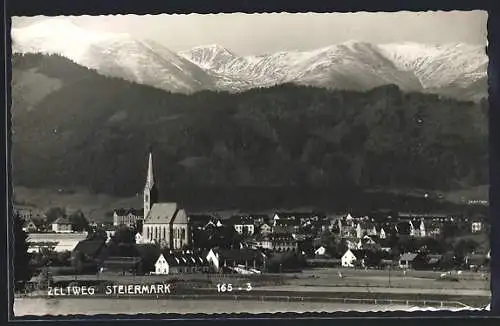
150 189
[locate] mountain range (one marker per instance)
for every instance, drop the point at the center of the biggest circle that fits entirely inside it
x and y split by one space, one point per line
453 70
73 127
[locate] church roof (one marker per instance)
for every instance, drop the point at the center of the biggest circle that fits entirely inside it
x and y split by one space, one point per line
166 213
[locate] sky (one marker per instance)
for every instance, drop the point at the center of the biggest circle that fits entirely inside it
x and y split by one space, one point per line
250 34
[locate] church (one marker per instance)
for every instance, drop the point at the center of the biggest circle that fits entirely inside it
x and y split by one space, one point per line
165 223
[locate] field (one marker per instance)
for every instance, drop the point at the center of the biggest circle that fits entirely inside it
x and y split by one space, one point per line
316 280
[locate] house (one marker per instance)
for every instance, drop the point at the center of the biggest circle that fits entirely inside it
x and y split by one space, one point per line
283 242
407 260
27 213
129 217
366 242
122 265
274 242
353 257
382 234
180 263
165 223
139 239
365 228
289 225
200 221
476 226
347 227
433 260
221 259
243 224
260 242
476 261
412 229
259 219
33 225
62 225
265 229
321 251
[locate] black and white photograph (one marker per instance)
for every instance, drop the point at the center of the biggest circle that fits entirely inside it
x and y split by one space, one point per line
250 163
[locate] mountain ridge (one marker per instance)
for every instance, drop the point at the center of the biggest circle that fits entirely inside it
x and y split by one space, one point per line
452 70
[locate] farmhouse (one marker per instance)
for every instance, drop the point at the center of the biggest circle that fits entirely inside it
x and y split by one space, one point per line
353 257
180 263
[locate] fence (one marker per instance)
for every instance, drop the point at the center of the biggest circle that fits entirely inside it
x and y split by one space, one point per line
282 298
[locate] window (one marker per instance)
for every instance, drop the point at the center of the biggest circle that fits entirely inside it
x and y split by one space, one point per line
183 234
146 197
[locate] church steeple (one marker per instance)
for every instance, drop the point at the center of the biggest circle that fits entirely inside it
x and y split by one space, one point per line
150 178
150 189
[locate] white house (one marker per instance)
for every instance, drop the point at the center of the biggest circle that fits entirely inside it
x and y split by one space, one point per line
265 229
382 234
476 227
62 225
359 231
348 259
161 266
423 232
139 239
320 251
413 231
243 224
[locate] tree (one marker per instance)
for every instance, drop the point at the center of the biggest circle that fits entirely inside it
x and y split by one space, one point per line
45 279
78 221
22 269
124 235
97 234
54 213
77 261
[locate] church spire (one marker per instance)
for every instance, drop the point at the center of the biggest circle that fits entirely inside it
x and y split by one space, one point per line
150 178
150 189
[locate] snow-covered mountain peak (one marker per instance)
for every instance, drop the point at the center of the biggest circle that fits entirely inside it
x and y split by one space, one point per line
212 56
56 35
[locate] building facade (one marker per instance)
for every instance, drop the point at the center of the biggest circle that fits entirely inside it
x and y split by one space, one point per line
164 223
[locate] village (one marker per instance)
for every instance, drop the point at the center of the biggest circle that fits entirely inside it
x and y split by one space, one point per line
165 241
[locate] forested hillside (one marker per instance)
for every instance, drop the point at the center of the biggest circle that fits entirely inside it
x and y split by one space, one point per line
74 127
